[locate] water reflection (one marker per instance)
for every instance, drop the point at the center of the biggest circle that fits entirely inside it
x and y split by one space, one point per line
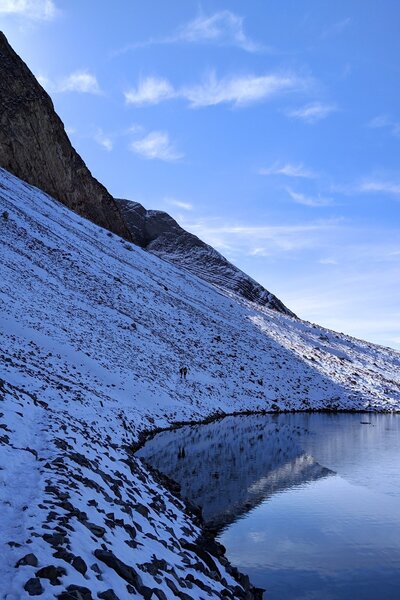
307 505
230 466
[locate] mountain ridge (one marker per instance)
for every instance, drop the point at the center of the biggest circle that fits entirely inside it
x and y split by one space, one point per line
161 235
35 147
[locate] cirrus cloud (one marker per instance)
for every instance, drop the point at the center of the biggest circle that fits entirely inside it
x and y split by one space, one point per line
312 113
223 28
238 90
288 170
305 200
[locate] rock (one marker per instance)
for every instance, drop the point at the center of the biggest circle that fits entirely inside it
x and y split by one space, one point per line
64 555
146 592
76 592
52 573
160 594
54 539
28 559
142 510
125 571
95 529
108 595
79 564
34 587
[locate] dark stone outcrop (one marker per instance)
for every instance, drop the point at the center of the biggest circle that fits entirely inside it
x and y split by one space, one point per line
160 234
35 147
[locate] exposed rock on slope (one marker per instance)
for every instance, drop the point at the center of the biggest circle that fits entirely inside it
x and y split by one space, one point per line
35 147
159 233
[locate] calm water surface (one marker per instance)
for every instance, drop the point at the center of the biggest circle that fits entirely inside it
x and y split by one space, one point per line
307 505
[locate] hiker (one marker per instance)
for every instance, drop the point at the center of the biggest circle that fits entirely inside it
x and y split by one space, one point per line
183 371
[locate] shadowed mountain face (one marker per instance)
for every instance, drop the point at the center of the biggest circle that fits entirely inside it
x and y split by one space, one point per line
35 147
161 235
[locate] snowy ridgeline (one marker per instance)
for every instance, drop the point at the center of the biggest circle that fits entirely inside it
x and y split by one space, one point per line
94 333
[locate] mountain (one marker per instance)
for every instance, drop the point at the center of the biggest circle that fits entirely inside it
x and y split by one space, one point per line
159 233
35 147
94 331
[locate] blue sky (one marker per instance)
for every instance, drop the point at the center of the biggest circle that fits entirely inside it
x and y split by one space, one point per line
270 129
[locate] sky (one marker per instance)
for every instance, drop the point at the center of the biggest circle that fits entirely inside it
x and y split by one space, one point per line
270 129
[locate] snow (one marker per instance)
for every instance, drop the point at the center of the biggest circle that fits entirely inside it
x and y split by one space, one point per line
94 333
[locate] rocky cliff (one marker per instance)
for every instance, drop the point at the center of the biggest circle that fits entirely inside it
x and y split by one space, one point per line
35 147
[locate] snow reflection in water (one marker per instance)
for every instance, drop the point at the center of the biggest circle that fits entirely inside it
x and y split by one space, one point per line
307 505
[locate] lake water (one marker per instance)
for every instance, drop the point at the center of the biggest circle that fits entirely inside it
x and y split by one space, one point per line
308 505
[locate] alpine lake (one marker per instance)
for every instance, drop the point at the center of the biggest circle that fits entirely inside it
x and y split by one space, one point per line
306 504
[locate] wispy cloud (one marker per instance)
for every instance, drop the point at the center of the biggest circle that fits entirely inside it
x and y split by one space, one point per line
262 240
369 185
238 90
314 201
223 28
379 186
81 81
312 113
156 145
385 122
241 90
179 203
103 140
36 10
150 90
336 29
288 170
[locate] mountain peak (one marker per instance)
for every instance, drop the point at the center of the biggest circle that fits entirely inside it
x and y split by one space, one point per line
35 147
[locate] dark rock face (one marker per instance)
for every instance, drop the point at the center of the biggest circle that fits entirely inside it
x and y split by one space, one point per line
160 234
35 147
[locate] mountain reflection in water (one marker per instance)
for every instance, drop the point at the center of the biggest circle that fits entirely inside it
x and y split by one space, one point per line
230 466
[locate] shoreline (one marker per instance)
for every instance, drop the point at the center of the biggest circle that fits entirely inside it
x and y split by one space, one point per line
207 540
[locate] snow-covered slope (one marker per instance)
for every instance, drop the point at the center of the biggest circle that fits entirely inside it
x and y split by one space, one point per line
94 333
